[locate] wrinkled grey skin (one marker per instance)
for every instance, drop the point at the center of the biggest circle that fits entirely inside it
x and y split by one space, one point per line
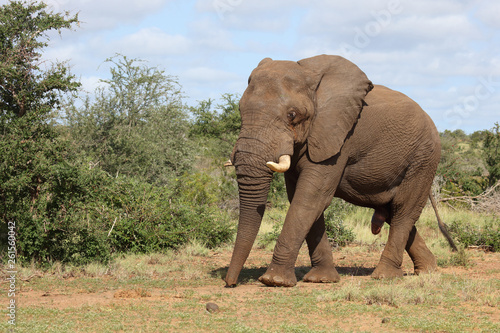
366 144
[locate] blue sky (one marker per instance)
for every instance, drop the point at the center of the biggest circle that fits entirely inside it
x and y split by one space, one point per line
445 54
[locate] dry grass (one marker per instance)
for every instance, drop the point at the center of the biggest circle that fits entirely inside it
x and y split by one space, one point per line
173 289
168 291
430 289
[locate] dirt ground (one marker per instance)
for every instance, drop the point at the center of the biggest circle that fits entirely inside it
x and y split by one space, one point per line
350 264
359 265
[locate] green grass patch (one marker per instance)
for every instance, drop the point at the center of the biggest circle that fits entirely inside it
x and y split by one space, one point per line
169 299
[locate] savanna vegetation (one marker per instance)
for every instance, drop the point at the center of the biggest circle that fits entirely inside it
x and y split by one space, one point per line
121 193
130 167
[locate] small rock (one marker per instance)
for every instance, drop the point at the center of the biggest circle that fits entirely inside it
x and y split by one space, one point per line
386 320
212 307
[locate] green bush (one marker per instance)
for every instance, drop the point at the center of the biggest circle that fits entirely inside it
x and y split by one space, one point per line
487 235
459 258
492 153
57 223
336 230
277 196
217 127
83 215
134 124
154 218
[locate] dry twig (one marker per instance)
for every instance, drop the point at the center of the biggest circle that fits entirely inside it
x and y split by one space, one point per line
489 200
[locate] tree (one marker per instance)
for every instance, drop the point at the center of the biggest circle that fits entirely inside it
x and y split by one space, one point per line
33 163
492 153
26 87
461 165
477 137
28 94
136 125
219 128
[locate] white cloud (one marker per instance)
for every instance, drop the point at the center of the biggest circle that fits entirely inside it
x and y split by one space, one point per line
151 42
90 83
436 51
207 74
488 12
99 14
257 15
206 82
456 27
208 36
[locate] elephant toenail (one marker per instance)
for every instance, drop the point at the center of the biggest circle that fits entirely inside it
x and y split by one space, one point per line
278 279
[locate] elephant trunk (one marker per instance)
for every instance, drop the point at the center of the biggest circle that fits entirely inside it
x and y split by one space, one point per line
253 191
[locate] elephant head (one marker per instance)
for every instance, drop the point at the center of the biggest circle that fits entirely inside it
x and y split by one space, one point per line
312 103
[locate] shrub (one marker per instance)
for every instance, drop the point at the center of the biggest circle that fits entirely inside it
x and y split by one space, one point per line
277 196
336 230
83 215
58 223
134 124
487 236
458 258
152 218
492 153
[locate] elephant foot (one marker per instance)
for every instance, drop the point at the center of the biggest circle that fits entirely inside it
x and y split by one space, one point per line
425 270
278 276
322 275
423 259
429 267
386 271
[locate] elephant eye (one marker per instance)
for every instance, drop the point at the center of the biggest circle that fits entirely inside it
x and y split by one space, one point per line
292 115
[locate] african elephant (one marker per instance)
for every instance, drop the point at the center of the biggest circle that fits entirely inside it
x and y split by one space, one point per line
333 134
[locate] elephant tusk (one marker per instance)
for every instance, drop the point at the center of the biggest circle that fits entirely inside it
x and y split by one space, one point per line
282 166
228 163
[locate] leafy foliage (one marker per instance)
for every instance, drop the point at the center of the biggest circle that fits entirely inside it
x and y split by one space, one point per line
102 215
82 191
33 156
136 125
487 236
492 154
26 87
336 230
462 166
217 128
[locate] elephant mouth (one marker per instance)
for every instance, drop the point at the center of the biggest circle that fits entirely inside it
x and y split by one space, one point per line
282 166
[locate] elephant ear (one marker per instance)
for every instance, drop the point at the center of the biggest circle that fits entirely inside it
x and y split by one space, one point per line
340 91
264 61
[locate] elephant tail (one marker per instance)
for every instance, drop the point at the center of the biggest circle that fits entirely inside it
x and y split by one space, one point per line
442 225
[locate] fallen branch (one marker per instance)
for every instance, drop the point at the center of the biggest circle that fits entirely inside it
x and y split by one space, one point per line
470 199
30 277
480 247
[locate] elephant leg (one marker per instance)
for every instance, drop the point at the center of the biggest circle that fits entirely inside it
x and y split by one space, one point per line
423 259
281 271
390 262
406 208
323 268
310 198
